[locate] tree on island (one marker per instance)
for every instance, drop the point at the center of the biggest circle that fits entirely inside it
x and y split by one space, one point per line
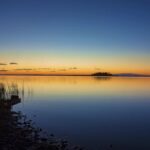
102 74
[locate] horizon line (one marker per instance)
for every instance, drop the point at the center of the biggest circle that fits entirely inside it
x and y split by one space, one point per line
113 75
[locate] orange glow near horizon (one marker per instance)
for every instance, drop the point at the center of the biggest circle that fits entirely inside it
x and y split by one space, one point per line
71 63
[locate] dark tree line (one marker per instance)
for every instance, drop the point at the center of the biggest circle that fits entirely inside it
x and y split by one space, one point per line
102 74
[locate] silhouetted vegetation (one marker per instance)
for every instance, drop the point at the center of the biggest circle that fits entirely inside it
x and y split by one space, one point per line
7 91
9 95
102 74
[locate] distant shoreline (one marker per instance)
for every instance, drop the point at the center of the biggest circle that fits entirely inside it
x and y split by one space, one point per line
73 75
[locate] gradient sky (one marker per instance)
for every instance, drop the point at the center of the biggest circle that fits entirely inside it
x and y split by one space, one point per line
74 36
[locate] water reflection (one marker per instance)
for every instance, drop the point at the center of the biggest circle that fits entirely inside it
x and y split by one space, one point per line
102 78
97 113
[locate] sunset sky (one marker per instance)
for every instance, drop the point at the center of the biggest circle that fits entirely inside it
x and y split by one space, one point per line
74 36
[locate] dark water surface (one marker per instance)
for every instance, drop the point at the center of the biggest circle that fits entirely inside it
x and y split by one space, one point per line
92 112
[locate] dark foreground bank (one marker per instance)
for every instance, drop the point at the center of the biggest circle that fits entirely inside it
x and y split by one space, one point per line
18 133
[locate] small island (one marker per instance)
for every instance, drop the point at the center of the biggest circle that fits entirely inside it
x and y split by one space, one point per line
102 74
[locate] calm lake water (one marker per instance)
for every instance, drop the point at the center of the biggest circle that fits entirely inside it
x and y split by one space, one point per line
89 111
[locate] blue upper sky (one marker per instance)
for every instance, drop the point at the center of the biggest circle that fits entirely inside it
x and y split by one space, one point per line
76 27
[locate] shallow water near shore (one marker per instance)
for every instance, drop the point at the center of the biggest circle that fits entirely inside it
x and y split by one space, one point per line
93 112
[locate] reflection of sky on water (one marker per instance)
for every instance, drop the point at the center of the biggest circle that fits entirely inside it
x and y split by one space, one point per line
88 111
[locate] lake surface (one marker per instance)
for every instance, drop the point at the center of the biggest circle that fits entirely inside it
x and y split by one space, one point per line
89 111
